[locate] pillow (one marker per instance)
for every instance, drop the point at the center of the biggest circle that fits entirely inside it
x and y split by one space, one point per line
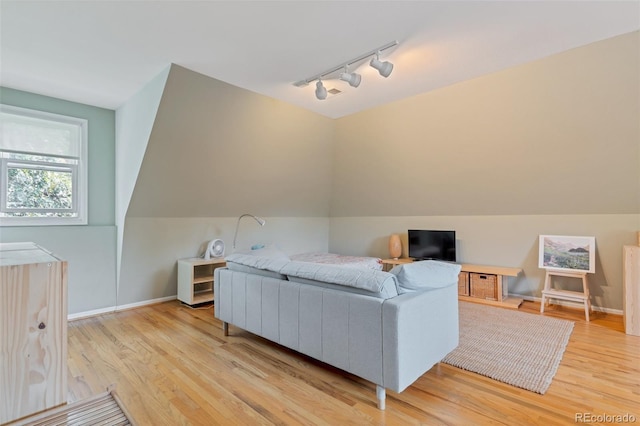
272 252
425 274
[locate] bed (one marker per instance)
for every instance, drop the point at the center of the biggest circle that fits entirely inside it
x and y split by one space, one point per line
340 259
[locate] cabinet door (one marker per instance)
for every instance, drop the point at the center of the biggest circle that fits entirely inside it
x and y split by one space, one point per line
33 339
631 291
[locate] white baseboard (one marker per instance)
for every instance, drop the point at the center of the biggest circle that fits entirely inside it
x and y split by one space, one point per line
87 314
111 309
571 304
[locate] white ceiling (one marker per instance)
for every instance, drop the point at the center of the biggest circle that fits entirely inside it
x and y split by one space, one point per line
102 52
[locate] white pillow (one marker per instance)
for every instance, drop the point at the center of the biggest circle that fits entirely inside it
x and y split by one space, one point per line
425 274
272 252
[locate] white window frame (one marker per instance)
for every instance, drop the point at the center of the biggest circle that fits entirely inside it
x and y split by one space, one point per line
78 172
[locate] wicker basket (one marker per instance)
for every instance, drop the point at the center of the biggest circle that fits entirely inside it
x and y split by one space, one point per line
484 286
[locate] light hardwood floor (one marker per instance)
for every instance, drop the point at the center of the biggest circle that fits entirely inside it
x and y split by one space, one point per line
172 365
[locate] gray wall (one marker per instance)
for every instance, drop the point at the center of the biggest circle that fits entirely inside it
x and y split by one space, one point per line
550 147
90 250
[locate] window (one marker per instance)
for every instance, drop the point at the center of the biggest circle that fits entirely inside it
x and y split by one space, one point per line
43 162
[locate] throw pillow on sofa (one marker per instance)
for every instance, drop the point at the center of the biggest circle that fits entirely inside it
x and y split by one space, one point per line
425 274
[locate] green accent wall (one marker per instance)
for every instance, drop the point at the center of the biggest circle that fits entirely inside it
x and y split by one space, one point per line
101 146
89 249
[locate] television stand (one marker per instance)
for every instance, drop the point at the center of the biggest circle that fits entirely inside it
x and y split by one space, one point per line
487 285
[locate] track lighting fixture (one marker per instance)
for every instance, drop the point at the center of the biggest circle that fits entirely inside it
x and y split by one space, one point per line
321 91
353 78
384 68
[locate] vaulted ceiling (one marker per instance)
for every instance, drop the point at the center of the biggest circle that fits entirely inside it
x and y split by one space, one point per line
102 52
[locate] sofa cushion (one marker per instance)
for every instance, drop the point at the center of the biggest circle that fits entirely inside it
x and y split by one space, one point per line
364 281
251 264
425 274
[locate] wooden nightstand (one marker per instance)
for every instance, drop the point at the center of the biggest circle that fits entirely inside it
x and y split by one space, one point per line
195 279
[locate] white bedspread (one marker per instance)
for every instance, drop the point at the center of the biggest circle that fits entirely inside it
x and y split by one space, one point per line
339 259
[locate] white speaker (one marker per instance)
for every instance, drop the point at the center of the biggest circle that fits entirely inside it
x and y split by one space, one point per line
215 248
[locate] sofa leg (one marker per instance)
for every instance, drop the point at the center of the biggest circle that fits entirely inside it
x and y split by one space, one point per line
225 328
381 394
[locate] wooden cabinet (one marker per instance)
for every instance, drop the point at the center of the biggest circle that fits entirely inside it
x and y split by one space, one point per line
478 283
195 279
631 290
33 330
488 285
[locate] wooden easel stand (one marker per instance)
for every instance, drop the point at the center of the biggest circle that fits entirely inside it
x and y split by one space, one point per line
574 296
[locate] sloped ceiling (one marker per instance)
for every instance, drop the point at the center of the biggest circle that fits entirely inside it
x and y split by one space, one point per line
102 52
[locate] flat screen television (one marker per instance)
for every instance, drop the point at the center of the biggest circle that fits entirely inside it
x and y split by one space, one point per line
434 245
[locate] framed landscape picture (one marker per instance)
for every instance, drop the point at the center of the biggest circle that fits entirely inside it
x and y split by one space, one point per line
567 253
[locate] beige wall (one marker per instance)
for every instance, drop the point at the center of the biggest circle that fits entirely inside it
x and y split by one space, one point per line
556 136
504 240
215 152
550 147
153 245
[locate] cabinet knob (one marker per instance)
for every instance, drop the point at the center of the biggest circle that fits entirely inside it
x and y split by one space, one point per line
41 326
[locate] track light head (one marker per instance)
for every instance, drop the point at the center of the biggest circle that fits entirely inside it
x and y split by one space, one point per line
353 78
384 68
321 91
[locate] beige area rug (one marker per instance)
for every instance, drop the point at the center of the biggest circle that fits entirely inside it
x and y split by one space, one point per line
517 348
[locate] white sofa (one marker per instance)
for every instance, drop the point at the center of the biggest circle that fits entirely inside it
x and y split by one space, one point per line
386 327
